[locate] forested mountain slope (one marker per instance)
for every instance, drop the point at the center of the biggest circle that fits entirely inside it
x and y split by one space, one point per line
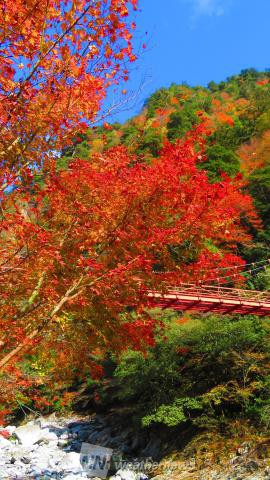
236 113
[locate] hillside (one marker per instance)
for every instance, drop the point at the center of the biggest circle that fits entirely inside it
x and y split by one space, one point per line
237 114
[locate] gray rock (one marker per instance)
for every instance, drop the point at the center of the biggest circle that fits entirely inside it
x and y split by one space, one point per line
251 466
35 471
135 443
26 460
152 449
93 438
62 443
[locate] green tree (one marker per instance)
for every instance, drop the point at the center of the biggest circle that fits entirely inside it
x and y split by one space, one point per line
180 123
259 187
159 99
220 160
151 142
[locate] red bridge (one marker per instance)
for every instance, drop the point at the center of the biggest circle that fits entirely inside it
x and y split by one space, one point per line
216 299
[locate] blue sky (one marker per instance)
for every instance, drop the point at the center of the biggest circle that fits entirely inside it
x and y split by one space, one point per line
197 41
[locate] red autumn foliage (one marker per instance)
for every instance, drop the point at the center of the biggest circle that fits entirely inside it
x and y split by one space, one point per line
58 59
86 244
5 434
263 82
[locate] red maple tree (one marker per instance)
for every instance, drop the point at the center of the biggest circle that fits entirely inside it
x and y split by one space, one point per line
80 249
83 244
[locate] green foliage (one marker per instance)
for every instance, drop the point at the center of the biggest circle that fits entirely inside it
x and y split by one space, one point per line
232 136
152 379
180 123
159 99
244 83
151 142
263 122
260 281
220 160
130 134
213 86
259 187
176 413
199 371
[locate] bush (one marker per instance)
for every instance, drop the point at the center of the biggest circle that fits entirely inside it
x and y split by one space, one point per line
201 371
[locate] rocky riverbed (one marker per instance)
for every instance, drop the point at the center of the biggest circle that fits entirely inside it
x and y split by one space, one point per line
51 448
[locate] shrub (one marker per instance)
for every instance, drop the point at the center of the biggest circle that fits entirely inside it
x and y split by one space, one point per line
203 370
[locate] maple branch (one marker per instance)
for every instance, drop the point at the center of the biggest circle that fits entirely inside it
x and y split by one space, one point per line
35 293
9 356
11 256
4 152
69 295
40 60
7 184
18 349
56 42
29 307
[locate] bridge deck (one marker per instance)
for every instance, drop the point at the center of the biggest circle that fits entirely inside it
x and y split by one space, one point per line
189 297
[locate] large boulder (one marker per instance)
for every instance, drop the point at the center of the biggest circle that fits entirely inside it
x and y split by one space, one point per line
28 434
71 463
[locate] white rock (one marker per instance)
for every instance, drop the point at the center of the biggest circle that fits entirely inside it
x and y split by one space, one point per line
126 475
73 477
42 422
10 429
46 434
5 474
19 451
46 457
71 462
4 442
28 434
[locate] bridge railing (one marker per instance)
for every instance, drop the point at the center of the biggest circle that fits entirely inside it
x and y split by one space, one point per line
216 291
